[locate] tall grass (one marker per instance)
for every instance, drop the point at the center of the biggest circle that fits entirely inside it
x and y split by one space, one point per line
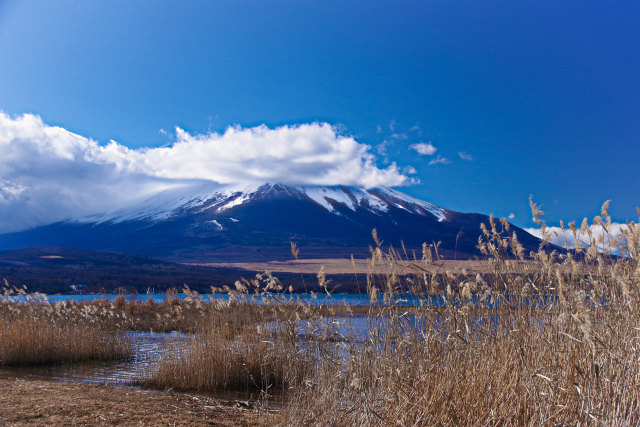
548 338
249 343
34 331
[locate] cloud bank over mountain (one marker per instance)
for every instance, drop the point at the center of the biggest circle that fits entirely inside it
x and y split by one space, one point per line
49 174
584 238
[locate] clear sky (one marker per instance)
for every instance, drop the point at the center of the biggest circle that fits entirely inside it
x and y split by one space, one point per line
516 97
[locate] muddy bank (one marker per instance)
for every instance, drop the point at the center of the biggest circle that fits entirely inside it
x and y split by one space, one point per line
37 402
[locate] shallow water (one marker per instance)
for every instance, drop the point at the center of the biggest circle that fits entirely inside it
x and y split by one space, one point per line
149 347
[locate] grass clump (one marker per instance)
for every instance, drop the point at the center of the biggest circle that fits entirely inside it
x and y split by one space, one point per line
249 343
34 331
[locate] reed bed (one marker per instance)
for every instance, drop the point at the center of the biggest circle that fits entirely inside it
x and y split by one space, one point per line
248 344
192 312
550 342
34 331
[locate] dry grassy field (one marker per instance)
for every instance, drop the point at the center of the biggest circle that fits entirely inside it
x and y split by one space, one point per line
345 266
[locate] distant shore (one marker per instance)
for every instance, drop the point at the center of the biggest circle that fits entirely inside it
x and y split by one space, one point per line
340 266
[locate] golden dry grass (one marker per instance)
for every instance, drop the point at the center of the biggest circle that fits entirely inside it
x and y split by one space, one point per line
34 331
340 265
552 345
251 345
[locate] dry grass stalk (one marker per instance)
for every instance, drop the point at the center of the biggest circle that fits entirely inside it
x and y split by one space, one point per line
35 331
247 344
550 342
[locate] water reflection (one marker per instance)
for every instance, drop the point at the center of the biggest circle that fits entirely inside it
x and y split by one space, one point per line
149 348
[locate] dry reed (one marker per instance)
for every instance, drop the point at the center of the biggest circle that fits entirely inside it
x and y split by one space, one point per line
249 343
553 340
35 331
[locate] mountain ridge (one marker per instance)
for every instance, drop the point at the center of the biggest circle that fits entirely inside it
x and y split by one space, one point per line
207 223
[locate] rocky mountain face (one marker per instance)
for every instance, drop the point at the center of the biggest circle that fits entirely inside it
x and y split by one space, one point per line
217 224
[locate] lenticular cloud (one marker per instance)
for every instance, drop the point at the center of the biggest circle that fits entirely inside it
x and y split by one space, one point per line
312 154
49 174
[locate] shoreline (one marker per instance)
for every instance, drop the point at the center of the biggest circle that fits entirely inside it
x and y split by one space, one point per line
27 402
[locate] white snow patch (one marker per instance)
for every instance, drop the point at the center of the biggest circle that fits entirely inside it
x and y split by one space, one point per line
162 205
237 201
321 195
378 200
376 203
200 197
241 196
431 208
216 223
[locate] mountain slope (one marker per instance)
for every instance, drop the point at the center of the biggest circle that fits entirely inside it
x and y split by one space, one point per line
209 223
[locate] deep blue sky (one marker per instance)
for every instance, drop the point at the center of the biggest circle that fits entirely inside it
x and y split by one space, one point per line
544 95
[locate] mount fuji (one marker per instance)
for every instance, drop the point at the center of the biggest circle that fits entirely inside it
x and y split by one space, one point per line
214 223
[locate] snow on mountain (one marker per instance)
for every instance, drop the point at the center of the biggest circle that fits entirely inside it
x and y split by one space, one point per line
202 222
218 199
169 203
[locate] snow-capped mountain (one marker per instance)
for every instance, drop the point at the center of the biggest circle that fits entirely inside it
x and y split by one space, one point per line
216 199
256 222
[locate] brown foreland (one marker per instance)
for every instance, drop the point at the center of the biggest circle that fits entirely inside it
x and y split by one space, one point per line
37 403
344 266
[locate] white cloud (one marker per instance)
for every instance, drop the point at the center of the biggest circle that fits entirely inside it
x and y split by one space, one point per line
439 160
465 156
383 147
409 170
400 136
49 174
511 215
603 239
312 154
424 149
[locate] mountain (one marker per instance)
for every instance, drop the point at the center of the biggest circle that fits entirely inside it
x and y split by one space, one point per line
209 223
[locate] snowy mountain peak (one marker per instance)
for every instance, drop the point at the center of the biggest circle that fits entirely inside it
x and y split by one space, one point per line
221 199
203 222
376 199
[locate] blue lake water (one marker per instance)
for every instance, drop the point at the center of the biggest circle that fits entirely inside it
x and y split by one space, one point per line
317 299
408 300
148 347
